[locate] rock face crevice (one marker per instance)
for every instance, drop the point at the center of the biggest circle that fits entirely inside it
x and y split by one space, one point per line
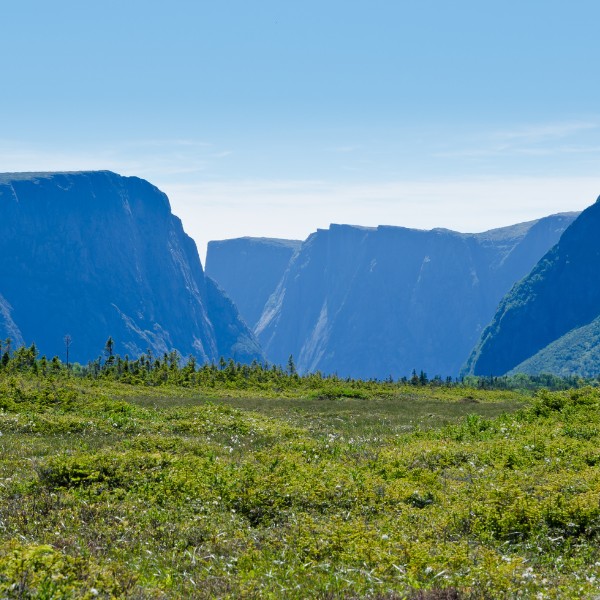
95 254
249 269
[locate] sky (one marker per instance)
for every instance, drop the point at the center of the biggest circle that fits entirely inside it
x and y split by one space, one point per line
275 118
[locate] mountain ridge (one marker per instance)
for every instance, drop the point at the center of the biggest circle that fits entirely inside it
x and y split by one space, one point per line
353 300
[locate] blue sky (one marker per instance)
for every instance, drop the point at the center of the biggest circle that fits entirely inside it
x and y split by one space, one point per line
275 118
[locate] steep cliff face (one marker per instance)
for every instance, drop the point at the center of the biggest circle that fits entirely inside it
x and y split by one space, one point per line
249 269
93 255
560 294
373 302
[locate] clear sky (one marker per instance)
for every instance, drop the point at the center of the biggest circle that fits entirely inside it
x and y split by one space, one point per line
277 117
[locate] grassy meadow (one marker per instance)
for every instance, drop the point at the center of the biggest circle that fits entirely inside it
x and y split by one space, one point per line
112 489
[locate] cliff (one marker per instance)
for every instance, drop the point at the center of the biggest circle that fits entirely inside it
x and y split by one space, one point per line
374 302
94 255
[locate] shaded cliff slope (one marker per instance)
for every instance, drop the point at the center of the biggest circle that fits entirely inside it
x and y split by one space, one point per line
249 269
374 302
562 293
93 255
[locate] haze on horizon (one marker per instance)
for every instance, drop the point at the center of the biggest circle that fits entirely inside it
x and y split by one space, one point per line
273 119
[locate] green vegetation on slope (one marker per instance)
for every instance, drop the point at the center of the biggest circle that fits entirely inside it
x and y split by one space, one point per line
109 489
575 353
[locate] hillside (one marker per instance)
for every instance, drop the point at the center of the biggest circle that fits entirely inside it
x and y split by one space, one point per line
249 269
374 302
575 353
561 294
94 255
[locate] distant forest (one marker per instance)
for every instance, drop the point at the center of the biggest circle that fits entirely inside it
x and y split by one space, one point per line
172 369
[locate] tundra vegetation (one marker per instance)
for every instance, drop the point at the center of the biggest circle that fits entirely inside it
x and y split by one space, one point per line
151 479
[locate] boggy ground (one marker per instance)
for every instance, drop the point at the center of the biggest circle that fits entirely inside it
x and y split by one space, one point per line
116 490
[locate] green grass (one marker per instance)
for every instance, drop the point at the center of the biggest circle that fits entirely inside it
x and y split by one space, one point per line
113 490
372 417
